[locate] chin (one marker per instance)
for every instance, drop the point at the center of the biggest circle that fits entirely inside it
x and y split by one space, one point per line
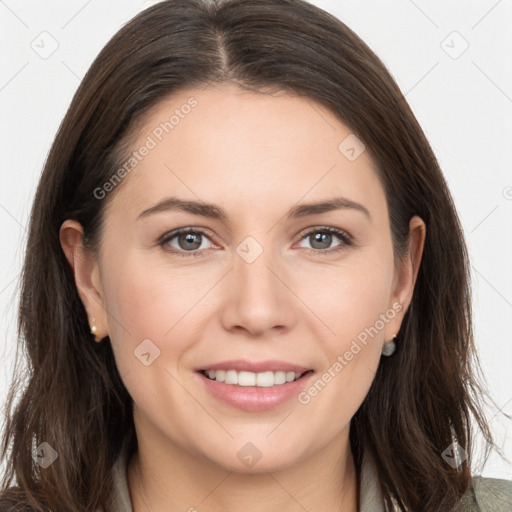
254 458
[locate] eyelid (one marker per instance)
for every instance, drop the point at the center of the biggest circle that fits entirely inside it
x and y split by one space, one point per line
179 231
329 229
345 237
170 235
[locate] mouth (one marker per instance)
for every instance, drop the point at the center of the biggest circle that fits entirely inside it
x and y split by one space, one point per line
254 386
266 379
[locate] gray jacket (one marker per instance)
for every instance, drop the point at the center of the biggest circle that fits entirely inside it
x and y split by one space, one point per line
487 495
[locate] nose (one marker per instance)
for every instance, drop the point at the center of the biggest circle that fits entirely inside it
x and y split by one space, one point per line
258 298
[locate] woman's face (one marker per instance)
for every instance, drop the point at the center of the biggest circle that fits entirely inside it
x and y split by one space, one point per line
265 281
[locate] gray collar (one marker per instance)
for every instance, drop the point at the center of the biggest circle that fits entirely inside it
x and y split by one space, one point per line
370 496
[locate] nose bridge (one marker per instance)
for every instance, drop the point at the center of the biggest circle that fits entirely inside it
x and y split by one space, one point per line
253 277
257 298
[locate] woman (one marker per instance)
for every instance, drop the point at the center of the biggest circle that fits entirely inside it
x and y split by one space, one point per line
246 285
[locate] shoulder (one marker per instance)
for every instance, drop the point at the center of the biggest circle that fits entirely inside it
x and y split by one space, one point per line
487 495
493 494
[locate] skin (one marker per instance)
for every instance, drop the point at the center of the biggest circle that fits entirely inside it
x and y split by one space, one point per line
255 156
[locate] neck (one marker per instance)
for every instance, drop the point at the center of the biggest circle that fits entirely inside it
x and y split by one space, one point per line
169 478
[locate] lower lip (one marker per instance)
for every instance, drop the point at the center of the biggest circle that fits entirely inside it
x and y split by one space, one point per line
254 398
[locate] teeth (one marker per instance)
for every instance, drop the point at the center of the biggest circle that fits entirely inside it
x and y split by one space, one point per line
231 377
262 380
247 379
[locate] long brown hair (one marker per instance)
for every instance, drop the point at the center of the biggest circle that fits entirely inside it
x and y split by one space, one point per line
422 398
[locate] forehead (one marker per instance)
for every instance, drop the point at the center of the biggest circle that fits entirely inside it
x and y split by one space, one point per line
243 149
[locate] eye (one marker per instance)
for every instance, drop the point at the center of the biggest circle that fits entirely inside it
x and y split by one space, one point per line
321 238
192 241
186 242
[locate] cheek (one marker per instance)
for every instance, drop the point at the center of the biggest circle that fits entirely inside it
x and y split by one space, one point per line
150 302
353 305
352 299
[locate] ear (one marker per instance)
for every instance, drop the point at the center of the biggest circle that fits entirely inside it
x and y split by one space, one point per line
405 276
87 276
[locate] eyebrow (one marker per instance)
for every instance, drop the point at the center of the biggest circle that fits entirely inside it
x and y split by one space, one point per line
215 212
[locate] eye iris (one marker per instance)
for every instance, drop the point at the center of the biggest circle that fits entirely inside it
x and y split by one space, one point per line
190 238
192 241
323 238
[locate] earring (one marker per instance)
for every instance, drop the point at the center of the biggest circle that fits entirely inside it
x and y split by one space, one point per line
93 329
389 347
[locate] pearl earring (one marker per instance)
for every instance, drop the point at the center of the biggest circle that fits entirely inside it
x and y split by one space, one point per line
389 347
93 329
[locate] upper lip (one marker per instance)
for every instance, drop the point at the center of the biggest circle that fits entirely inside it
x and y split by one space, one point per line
241 365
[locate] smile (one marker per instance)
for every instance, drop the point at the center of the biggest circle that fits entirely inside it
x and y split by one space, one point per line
244 378
253 386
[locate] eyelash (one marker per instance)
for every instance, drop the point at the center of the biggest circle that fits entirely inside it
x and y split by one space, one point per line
345 238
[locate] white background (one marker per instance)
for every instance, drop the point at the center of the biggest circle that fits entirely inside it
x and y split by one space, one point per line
464 104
